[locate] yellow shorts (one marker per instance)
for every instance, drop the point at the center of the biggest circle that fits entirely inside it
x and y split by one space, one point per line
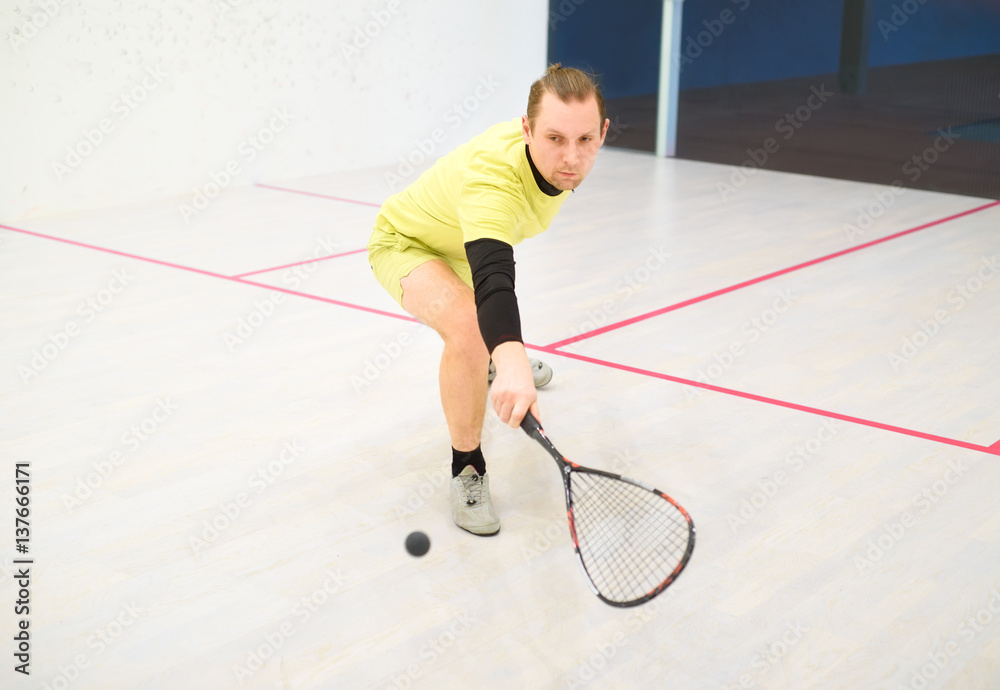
392 256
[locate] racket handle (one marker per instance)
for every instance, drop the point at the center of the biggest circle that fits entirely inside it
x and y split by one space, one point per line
533 428
530 425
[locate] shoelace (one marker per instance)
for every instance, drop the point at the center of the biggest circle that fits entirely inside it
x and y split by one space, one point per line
473 489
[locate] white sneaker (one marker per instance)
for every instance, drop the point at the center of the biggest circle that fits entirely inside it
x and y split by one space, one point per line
471 507
540 372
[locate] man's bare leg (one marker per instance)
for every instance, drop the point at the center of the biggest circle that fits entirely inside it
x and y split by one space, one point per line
436 296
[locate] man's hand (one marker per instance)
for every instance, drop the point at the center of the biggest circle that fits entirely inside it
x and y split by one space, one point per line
513 390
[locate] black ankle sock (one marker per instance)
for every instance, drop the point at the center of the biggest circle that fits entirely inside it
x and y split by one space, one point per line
460 459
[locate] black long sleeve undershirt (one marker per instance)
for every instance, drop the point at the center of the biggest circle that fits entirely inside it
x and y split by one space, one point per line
547 187
492 264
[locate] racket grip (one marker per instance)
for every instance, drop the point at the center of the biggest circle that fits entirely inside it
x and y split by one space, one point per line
533 428
531 425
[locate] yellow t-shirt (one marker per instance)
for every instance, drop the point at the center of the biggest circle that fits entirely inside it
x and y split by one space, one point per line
482 189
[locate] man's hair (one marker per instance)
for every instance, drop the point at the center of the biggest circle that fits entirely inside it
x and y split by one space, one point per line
569 84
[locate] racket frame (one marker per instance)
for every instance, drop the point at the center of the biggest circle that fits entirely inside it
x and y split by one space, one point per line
533 428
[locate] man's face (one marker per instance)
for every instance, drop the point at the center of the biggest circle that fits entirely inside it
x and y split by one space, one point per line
565 139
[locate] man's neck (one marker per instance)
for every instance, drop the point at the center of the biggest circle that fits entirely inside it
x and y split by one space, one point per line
543 184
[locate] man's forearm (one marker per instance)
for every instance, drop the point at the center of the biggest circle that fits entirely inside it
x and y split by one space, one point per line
510 354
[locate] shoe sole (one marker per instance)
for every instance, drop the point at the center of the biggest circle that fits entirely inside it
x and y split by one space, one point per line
479 534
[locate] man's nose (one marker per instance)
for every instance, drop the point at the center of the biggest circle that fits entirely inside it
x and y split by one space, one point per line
571 155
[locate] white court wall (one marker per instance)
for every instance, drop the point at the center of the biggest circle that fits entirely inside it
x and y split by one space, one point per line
107 102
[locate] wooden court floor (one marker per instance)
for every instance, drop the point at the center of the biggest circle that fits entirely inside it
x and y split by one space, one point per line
230 429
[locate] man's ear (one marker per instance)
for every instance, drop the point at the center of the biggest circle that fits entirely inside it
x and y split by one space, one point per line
604 131
526 129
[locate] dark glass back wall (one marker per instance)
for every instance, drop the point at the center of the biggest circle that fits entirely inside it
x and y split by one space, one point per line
619 41
884 91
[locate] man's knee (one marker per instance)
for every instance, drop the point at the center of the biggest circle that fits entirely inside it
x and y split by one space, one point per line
461 330
444 300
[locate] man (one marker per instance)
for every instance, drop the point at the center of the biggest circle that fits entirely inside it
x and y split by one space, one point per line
443 248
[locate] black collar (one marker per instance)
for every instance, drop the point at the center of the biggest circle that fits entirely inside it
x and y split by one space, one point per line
542 183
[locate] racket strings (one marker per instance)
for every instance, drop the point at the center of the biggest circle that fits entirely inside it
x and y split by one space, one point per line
631 540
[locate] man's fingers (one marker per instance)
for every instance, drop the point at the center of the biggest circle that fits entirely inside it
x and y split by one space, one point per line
517 415
513 398
534 410
502 408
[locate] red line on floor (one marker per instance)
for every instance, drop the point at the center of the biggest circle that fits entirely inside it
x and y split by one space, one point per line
116 252
993 450
321 196
211 274
339 303
299 263
760 279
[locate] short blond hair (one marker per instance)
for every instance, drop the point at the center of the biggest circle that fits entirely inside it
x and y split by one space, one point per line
569 84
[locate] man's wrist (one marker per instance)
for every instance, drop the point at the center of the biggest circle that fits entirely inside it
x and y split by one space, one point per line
509 353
